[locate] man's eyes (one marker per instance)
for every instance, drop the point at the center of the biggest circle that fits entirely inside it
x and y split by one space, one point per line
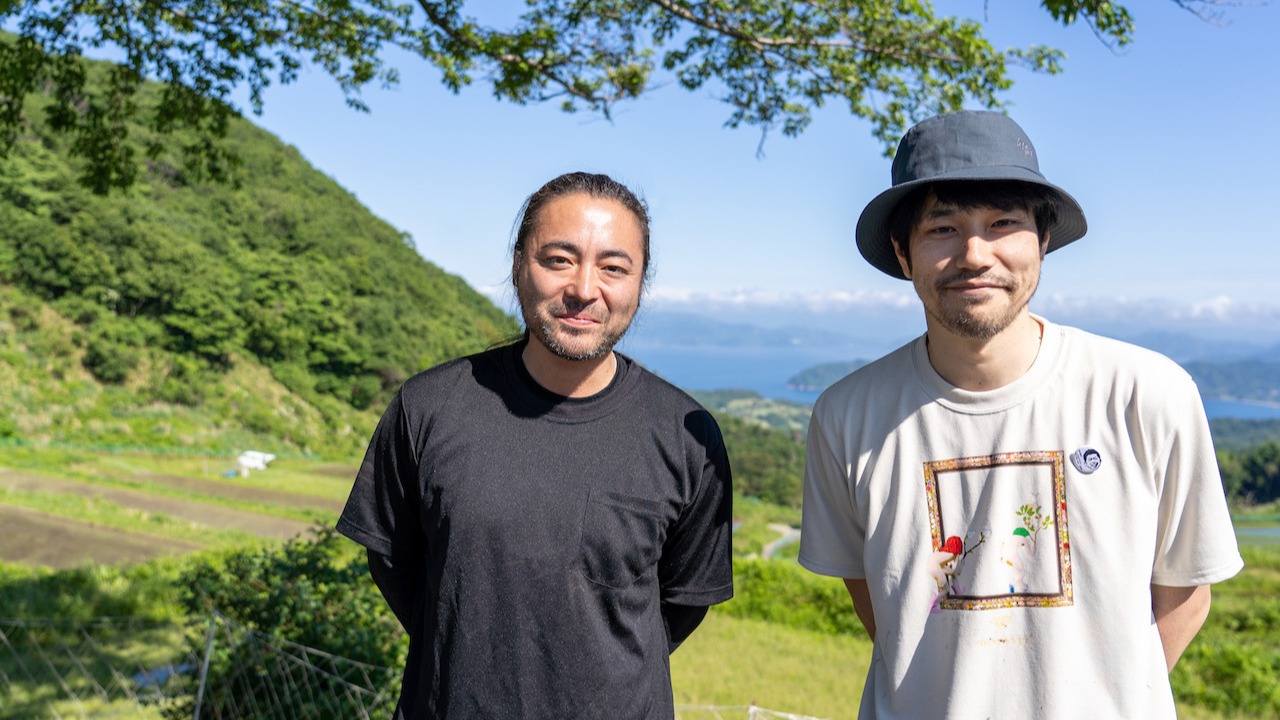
560 262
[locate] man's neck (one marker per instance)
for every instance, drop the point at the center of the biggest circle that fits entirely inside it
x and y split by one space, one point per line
978 365
570 378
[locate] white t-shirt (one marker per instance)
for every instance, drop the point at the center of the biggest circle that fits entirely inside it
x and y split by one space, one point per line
1009 538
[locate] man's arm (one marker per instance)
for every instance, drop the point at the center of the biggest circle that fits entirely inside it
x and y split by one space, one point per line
1179 613
680 621
398 583
862 604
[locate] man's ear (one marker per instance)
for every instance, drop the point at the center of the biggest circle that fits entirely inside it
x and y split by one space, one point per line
1044 245
904 260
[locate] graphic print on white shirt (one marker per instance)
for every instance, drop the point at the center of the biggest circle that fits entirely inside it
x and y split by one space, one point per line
999 530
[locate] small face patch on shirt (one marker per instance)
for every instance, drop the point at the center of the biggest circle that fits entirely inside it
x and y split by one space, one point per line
1086 460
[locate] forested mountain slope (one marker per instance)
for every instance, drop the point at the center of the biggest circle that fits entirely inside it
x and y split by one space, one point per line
275 301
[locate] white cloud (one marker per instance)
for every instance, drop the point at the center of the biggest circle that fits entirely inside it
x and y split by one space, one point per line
1218 308
825 301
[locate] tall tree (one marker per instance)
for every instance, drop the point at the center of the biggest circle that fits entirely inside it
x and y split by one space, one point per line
892 61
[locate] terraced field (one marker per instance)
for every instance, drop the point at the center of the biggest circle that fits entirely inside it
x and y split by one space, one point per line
114 509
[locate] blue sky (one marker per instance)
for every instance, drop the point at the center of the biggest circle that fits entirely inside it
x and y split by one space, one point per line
1170 145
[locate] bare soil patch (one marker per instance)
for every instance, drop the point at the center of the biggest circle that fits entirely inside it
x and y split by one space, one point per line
192 511
34 538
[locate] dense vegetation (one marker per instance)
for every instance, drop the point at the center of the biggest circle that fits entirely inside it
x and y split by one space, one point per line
165 290
1235 434
1252 476
766 463
791 418
1244 380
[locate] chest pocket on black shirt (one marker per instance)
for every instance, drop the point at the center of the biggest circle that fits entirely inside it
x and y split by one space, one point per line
622 537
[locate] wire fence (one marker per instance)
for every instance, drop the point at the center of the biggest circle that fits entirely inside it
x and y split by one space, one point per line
204 669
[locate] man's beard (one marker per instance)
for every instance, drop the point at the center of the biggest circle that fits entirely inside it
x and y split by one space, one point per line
955 316
544 330
542 325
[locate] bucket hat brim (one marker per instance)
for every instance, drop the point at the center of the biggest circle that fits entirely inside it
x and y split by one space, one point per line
873 224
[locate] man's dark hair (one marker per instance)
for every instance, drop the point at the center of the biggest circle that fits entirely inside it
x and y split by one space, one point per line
1040 201
592 184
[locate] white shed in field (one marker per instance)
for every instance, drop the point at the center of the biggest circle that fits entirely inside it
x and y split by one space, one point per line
253 460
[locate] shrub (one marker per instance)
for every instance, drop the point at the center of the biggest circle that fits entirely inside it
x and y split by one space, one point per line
311 591
314 591
783 592
108 360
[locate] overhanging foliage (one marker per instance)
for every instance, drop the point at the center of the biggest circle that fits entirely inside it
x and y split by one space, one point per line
891 62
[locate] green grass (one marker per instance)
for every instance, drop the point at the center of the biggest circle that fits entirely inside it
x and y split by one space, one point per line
1233 665
60 674
735 661
1268 514
129 470
118 517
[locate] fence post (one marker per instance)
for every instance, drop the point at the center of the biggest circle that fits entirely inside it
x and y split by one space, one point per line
204 665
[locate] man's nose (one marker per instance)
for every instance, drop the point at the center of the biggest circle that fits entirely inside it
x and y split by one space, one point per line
976 251
584 285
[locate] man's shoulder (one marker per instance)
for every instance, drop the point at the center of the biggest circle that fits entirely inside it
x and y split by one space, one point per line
1099 353
458 373
664 398
657 387
885 374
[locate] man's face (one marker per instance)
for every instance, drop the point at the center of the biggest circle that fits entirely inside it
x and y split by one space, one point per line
975 269
579 281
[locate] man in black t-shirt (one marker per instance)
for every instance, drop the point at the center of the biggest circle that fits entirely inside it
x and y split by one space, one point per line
549 520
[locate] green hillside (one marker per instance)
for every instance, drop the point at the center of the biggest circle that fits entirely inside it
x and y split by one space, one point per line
276 310
1243 380
819 377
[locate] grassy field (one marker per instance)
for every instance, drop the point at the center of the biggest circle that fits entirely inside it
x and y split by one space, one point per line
735 662
65 507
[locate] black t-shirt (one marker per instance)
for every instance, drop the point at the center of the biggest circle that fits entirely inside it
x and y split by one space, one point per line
549 529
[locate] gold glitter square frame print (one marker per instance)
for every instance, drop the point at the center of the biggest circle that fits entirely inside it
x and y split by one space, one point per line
999 531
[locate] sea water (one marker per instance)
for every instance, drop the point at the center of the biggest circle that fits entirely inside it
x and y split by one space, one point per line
766 371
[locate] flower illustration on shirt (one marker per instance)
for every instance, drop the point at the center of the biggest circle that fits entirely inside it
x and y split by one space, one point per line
1018 550
945 562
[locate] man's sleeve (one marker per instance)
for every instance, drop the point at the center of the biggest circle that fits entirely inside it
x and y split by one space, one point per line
398 582
680 621
696 567
1196 544
832 534
382 510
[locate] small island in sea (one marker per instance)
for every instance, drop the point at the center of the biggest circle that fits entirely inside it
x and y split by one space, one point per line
820 377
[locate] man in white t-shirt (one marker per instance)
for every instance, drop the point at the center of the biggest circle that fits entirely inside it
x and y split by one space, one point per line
1027 517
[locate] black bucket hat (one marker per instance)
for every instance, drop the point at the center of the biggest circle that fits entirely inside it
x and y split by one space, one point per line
967 145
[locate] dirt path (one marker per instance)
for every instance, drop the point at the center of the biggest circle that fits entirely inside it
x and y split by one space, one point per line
789 535
192 511
34 538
